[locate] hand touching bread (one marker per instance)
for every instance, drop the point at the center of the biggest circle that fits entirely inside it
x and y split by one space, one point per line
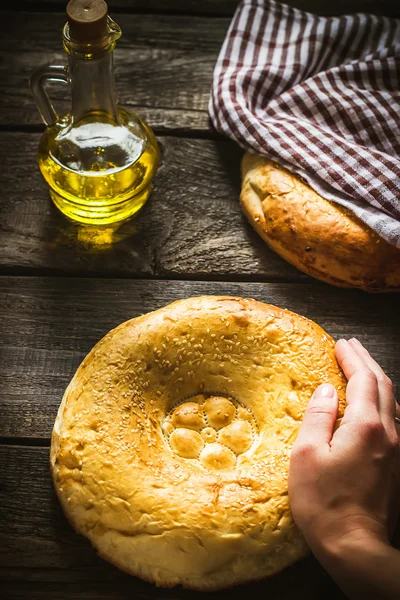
342 484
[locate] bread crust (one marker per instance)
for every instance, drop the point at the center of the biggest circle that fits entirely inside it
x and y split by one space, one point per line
192 521
319 237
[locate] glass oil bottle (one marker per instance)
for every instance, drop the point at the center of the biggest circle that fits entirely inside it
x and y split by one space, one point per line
98 159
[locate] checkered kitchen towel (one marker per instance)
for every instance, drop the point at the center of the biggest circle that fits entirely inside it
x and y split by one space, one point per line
321 97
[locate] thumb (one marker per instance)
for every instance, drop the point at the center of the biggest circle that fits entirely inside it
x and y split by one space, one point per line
320 416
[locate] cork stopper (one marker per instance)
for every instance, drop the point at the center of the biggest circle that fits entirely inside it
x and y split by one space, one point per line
87 19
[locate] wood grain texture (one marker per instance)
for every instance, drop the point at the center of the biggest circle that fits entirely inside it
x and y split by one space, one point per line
163 66
163 63
227 7
192 226
202 7
50 324
42 558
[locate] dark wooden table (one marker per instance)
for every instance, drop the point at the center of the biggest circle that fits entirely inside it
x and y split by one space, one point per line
63 286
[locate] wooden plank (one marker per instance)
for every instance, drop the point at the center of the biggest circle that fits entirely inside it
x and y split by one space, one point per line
164 63
192 225
49 325
197 7
227 7
163 67
41 557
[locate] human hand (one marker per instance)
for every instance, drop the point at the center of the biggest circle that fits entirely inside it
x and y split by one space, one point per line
343 484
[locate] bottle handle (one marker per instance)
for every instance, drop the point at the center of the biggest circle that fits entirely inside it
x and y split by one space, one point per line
37 82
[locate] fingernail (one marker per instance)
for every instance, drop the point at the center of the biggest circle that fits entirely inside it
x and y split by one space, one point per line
326 390
355 341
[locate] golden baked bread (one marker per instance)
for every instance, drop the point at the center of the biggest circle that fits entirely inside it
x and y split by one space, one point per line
171 446
319 237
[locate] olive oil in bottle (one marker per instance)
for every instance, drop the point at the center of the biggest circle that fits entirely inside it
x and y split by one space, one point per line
98 159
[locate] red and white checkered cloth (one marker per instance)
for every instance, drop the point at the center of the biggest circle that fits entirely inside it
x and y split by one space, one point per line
321 97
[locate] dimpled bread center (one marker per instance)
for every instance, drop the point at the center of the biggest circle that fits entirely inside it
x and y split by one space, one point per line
237 436
211 429
186 443
219 411
188 415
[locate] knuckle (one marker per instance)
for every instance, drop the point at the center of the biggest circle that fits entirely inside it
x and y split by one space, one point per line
370 376
393 442
386 382
318 409
373 428
304 450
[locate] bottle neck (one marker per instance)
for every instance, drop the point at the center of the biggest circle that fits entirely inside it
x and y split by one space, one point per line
93 86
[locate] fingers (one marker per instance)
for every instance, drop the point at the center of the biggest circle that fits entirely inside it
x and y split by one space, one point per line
386 396
362 395
365 355
362 387
348 358
319 418
369 391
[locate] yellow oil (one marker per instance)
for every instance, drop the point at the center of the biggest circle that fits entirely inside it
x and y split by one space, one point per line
99 171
